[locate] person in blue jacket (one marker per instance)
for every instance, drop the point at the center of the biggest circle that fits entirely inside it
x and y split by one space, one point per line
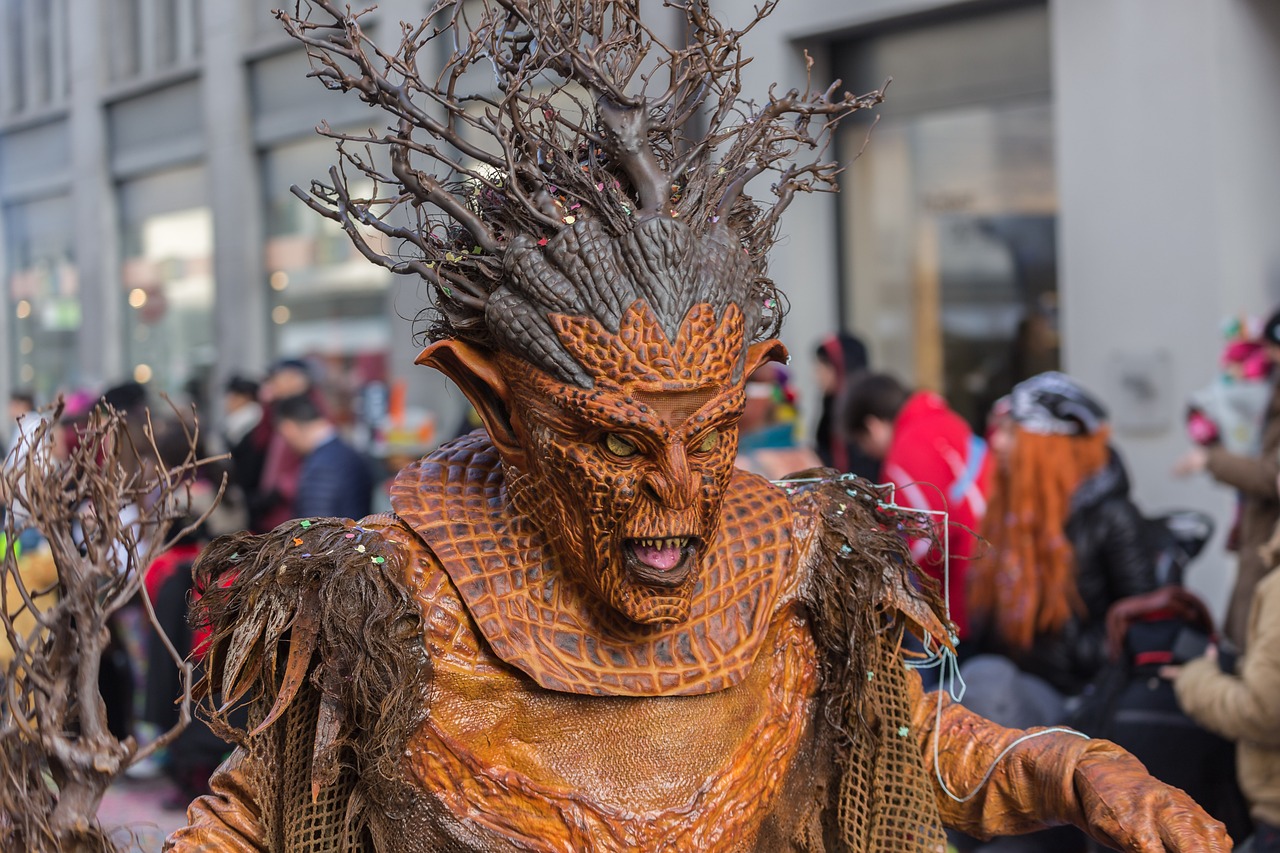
335 480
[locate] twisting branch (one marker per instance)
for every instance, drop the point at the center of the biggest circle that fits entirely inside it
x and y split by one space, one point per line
545 112
106 507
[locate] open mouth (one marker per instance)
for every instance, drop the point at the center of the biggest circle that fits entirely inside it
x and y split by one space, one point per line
664 562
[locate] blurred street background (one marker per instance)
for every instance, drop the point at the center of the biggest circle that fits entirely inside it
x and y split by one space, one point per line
145 808
1084 185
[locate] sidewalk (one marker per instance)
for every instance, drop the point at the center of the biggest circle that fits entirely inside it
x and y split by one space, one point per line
138 805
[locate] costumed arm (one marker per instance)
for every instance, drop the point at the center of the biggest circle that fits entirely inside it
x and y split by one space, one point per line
1247 706
329 597
1011 784
226 819
859 585
1255 476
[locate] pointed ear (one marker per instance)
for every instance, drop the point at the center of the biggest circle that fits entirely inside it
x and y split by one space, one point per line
762 351
477 373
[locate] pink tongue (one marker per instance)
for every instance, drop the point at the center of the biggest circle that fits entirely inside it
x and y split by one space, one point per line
662 559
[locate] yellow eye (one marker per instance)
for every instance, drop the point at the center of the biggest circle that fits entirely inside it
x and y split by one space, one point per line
709 442
619 446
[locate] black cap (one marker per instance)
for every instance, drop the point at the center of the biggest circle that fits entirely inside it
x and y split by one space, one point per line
289 364
125 397
1053 403
243 386
1271 330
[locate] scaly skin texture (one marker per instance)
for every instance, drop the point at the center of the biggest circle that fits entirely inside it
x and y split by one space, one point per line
552 628
576 772
581 701
504 764
674 405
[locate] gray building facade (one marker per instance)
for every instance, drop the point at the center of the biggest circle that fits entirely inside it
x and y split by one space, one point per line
1079 183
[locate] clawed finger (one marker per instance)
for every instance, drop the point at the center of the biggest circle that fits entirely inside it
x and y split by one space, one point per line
1187 833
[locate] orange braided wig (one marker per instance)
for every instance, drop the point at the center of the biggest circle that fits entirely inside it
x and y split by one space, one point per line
1026 583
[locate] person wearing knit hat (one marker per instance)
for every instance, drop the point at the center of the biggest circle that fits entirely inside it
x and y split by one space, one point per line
1053 403
1066 540
841 359
1254 476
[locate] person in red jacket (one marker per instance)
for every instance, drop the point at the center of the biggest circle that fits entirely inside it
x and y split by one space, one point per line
937 464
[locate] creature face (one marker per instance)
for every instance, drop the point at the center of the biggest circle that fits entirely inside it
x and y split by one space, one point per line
626 478
626 482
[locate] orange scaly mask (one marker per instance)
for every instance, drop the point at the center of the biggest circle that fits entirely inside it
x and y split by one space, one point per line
625 478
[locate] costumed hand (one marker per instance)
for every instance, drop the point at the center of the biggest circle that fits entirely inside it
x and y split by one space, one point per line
1193 461
1131 810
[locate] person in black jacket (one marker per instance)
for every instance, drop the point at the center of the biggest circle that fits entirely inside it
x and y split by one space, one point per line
1067 541
246 431
841 359
335 480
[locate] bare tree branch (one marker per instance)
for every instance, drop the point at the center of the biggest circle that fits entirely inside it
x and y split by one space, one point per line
104 521
544 112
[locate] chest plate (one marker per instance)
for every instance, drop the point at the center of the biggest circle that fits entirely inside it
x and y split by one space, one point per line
543 623
512 766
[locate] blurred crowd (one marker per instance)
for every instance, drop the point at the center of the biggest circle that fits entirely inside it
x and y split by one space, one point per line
1067 599
277 455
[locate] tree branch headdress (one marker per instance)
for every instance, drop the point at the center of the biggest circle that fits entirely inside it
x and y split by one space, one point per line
566 161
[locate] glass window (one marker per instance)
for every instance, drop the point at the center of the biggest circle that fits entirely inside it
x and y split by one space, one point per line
949 213
124 54
328 303
177 25
14 57
42 51
953 260
43 303
168 46
167 277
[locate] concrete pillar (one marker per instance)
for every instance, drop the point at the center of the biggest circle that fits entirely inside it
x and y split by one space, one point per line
235 199
425 388
804 262
6 325
93 197
1167 126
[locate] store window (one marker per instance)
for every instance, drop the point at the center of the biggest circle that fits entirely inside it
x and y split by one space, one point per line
328 303
33 55
949 214
43 297
146 37
167 278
